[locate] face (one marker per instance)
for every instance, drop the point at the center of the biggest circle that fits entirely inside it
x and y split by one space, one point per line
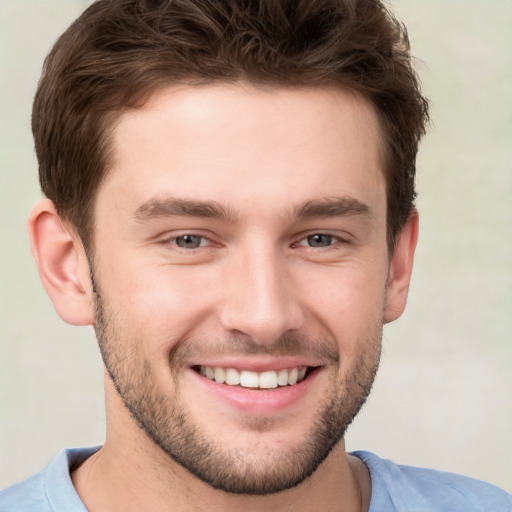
240 271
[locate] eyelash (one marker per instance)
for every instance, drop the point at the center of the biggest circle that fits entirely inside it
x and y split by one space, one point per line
173 240
334 241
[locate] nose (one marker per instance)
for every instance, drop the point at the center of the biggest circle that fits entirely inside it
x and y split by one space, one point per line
260 300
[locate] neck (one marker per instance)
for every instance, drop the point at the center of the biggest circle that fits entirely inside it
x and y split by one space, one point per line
127 480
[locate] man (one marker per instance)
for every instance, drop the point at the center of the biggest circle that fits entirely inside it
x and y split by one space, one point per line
230 202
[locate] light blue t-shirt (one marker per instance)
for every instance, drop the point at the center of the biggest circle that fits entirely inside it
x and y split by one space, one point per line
394 489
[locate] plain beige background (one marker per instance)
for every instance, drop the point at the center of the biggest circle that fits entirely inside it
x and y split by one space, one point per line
443 396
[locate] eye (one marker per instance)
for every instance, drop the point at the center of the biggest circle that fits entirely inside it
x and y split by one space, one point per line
190 241
319 240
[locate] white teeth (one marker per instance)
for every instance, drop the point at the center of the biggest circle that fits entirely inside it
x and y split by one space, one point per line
268 380
248 379
220 375
282 377
232 377
293 375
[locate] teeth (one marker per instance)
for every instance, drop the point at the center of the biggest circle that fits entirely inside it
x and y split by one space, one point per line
220 375
293 375
282 377
247 379
268 380
232 377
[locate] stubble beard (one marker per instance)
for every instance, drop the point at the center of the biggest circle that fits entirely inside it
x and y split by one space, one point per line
233 470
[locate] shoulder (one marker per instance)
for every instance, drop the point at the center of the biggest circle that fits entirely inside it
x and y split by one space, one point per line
50 490
25 496
403 488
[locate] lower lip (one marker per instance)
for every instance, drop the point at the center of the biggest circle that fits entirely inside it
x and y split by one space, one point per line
258 401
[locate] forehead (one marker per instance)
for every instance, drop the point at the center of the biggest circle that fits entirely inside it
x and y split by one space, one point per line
247 145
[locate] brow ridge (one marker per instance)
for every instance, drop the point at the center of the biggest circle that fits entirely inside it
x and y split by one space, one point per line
168 207
331 207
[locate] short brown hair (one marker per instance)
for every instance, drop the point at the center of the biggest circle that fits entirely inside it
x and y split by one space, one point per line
118 52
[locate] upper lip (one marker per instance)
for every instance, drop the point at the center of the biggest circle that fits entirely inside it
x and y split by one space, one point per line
256 364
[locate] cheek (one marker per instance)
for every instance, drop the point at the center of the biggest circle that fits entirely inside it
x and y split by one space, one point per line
161 302
348 300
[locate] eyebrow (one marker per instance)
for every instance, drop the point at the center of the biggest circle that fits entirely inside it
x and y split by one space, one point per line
332 207
168 207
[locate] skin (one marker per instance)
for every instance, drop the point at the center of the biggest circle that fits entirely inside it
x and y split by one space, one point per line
268 161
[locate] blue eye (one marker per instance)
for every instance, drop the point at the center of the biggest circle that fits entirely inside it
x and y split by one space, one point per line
320 240
190 241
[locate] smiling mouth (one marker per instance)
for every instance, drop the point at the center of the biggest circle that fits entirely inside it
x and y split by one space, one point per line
255 380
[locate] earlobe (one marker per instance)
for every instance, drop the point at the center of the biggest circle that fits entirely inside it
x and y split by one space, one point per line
400 269
62 264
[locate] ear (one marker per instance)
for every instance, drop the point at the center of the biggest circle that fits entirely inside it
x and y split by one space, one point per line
400 269
62 264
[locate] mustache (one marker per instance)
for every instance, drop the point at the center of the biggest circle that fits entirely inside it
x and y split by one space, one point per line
289 344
